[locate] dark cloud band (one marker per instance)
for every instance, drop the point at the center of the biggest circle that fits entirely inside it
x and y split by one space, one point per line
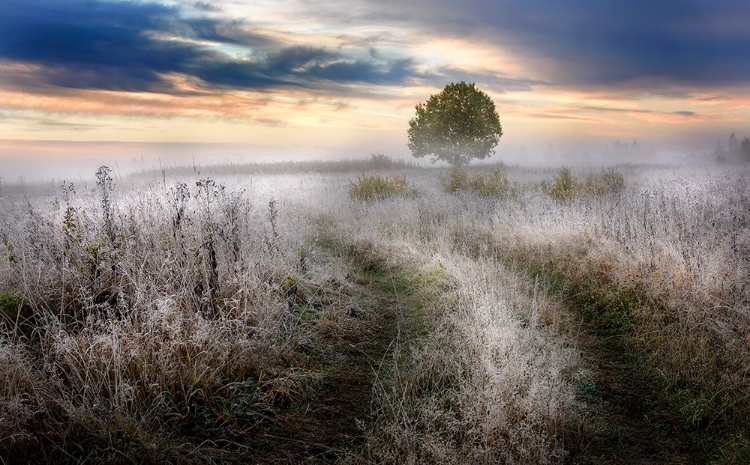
638 44
133 46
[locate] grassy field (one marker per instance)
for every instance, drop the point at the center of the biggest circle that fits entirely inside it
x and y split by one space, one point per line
377 312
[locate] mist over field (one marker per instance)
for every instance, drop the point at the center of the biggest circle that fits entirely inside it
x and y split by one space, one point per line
57 161
380 312
282 231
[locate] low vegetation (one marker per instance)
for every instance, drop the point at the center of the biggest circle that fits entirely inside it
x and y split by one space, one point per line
609 181
565 187
370 187
376 161
189 319
492 184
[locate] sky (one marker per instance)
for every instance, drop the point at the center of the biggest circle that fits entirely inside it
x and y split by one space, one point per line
86 79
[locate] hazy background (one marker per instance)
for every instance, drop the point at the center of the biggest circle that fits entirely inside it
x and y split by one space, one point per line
142 84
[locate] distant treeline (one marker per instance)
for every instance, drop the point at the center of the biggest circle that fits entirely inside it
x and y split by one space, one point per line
733 148
623 148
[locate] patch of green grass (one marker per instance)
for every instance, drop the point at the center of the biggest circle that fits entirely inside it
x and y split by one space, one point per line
608 311
736 449
304 313
590 392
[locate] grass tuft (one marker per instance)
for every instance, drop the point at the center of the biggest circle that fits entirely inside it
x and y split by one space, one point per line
372 187
609 181
565 187
494 184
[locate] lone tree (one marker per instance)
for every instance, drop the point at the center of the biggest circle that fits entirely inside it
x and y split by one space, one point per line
456 125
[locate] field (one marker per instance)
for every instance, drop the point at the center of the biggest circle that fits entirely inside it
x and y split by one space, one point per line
377 312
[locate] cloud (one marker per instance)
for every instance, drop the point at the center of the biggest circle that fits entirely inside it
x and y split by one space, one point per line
492 81
634 44
685 113
135 46
46 124
302 67
560 117
206 6
104 46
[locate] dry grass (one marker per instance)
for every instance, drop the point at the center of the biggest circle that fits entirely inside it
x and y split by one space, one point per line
138 322
681 246
147 309
485 380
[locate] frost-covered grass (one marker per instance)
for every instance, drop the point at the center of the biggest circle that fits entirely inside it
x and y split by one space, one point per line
147 308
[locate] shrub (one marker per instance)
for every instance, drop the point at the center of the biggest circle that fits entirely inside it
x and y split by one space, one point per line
564 187
494 184
371 187
457 179
607 182
382 162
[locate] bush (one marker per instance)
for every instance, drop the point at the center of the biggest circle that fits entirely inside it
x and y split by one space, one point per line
607 182
457 179
494 184
564 188
371 187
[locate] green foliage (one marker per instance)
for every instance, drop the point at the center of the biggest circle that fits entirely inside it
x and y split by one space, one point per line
494 184
289 283
371 187
13 308
565 187
456 125
607 182
457 179
607 311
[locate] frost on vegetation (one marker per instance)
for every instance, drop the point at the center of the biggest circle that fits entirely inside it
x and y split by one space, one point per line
148 303
167 292
565 187
492 184
371 187
485 385
678 239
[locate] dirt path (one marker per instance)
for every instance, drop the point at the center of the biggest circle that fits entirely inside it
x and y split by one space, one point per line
328 422
628 420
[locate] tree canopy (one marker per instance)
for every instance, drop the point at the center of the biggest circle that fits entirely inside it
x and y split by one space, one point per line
456 125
